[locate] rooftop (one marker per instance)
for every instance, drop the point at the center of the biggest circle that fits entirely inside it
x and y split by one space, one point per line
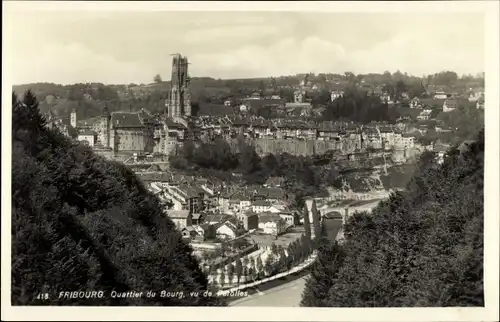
178 213
126 120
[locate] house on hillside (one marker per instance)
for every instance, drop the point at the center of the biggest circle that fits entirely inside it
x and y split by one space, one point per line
290 218
88 137
336 94
181 218
186 197
415 103
226 230
216 218
272 195
197 218
440 95
425 115
274 182
199 233
449 105
249 219
259 206
480 104
272 224
192 234
278 207
476 96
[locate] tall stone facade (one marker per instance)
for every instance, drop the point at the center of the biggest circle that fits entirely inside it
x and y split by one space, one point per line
178 102
104 133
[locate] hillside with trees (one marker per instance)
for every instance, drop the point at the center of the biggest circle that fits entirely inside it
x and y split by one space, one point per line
420 248
208 94
358 106
81 223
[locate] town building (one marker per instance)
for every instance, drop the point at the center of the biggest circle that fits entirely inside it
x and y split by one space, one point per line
425 115
226 230
336 94
185 197
480 104
250 220
289 218
449 105
73 118
272 224
181 218
415 103
87 137
259 206
440 95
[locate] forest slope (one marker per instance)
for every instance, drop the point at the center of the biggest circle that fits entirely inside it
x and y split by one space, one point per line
420 248
81 223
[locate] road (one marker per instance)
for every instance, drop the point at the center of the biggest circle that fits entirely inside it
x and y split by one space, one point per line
286 295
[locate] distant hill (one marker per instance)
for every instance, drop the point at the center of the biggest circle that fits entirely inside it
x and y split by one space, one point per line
82 223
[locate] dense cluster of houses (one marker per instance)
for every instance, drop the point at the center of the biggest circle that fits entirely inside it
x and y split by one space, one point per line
258 128
205 211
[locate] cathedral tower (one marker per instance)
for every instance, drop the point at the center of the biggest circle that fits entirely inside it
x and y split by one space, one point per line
179 98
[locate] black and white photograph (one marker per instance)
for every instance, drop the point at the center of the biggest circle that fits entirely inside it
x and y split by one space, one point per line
289 156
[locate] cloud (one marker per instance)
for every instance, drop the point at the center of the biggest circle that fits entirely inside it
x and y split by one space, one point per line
284 57
73 63
132 47
416 49
239 33
421 52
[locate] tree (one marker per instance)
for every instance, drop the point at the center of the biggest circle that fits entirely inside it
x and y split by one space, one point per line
290 258
269 264
230 273
252 273
248 159
222 277
274 249
307 245
259 267
320 283
298 251
245 273
307 221
271 164
252 262
262 87
238 269
282 260
157 79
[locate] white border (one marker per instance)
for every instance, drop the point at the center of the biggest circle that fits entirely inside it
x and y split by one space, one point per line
491 278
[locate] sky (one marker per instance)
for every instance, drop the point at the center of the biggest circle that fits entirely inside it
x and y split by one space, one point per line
132 47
